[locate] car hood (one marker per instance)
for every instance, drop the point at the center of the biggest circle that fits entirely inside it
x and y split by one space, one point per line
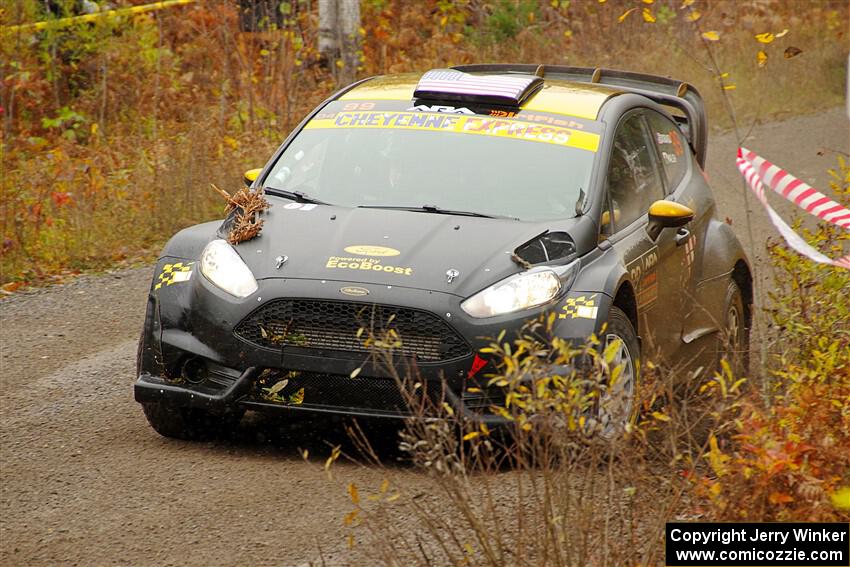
387 247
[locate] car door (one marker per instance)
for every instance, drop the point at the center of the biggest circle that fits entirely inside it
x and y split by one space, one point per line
634 181
682 182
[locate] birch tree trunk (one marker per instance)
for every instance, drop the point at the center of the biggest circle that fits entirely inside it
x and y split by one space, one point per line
339 25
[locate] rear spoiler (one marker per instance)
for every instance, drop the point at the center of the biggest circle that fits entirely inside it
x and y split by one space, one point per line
665 91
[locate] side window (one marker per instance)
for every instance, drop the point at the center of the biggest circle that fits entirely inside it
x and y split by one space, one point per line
672 148
633 178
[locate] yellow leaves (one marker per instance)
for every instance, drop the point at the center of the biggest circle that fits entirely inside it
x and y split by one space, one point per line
355 372
542 386
716 457
769 37
660 416
232 142
625 15
335 452
780 498
686 3
648 1
350 518
471 435
693 16
729 87
504 413
711 36
648 17
385 485
353 493
841 498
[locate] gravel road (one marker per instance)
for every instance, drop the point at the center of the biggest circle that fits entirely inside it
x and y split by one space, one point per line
85 481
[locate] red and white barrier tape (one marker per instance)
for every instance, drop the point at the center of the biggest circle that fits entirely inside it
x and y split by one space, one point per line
759 172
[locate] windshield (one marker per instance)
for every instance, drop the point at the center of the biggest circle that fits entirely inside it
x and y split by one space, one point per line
510 168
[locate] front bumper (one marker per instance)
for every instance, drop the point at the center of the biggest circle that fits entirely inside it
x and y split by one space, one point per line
192 357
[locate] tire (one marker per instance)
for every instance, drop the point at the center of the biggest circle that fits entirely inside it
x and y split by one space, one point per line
189 424
139 350
617 408
734 338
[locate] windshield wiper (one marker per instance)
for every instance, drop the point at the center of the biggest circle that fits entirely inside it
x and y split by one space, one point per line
437 210
297 196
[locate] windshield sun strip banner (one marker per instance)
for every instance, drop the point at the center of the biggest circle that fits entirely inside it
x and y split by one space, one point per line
461 124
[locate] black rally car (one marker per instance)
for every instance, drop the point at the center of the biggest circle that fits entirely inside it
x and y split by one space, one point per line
449 207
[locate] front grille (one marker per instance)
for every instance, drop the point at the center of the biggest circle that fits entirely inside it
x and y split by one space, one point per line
342 391
334 325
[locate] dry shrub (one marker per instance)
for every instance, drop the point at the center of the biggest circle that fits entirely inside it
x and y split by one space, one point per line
243 213
544 488
790 458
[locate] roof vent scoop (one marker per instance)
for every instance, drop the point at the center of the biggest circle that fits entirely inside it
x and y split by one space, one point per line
448 84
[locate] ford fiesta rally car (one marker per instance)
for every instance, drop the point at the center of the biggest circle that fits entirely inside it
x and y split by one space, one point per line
449 207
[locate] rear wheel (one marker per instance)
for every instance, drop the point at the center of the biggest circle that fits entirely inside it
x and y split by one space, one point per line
734 340
617 406
189 423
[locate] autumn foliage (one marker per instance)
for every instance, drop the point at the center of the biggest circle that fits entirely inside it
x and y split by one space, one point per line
112 130
788 458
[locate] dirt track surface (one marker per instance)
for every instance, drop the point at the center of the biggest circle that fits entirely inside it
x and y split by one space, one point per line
85 481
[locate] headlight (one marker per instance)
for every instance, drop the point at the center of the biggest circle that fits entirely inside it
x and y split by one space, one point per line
520 291
222 266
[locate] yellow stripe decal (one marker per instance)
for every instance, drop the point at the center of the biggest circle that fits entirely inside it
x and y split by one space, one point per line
583 102
461 124
64 22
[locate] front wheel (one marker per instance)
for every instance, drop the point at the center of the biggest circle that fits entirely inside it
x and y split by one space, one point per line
617 405
189 423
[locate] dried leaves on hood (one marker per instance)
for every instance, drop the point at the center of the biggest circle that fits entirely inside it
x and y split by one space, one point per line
243 213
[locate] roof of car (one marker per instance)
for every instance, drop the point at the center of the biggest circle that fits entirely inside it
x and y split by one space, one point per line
581 100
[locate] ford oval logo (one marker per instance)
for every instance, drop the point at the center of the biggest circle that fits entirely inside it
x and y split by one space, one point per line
368 250
354 291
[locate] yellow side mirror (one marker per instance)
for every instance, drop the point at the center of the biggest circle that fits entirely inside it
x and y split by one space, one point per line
249 176
667 214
